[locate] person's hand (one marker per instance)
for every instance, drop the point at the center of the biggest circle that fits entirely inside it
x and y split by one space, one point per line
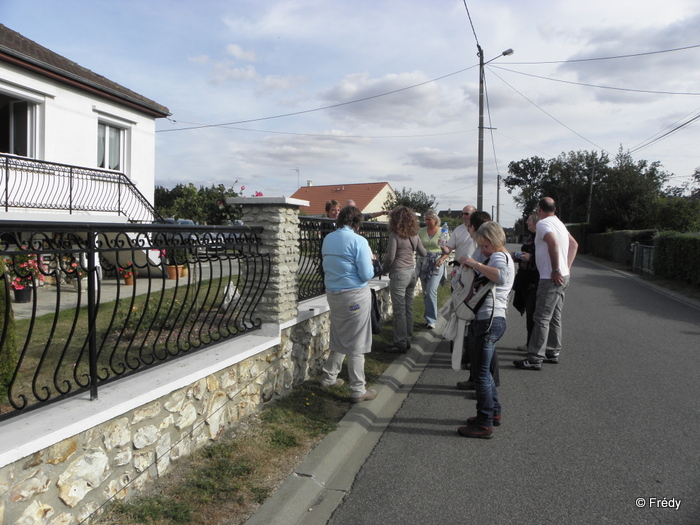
467 261
525 257
557 278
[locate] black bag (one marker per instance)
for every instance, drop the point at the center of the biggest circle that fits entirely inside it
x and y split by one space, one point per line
375 313
377 268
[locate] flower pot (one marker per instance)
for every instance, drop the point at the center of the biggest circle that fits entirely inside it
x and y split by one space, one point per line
185 271
174 271
129 281
24 295
80 285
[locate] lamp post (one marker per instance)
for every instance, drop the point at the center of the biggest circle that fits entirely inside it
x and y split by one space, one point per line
480 165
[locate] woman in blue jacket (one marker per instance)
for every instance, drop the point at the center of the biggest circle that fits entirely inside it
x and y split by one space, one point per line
347 268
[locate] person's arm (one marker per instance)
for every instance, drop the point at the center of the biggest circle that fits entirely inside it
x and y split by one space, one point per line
363 261
390 253
490 272
446 250
573 250
420 249
553 251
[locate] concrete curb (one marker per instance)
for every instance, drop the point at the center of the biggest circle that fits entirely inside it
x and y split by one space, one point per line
313 491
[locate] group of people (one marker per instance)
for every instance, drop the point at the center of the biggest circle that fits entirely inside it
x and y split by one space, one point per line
479 246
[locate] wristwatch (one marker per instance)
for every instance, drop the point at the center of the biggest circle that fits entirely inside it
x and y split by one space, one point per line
557 270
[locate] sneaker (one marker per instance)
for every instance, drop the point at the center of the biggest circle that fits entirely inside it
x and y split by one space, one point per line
430 326
554 359
466 385
522 348
369 394
524 364
396 350
496 420
338 382
476 431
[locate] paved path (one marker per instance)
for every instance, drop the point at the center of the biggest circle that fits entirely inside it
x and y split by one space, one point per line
613 427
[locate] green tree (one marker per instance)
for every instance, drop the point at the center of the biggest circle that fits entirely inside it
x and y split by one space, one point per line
203 205
678 214
416 200
627 195
526 182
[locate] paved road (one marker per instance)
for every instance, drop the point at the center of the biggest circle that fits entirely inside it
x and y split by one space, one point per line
615 425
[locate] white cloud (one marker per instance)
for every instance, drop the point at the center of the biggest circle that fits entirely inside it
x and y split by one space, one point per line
237 52
431 158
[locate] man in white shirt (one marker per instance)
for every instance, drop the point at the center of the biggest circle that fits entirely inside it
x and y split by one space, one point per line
460 241
555 251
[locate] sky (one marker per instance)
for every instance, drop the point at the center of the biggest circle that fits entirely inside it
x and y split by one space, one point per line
276 93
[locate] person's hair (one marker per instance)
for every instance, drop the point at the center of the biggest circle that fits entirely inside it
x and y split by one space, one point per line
432 214
533 217
350 216
478 218
402 222
330 204
547 204
492 232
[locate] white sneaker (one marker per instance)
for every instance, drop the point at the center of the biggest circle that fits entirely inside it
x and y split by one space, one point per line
430 326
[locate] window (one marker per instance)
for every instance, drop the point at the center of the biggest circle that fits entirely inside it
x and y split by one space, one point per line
17 125
110 148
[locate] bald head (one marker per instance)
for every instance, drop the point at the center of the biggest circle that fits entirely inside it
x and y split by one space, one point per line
546 207
467 213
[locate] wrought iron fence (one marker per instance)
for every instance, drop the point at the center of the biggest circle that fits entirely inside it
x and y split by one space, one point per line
107 301
312 231
34 184
643 259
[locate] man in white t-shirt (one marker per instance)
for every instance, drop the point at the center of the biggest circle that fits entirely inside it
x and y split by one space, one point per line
460 241
555 251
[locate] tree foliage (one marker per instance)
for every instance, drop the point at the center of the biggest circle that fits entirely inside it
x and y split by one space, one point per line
623 194
203 205
416 200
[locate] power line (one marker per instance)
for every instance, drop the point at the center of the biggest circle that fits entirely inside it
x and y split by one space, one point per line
595 85
379 95
634 55
550 115
340 104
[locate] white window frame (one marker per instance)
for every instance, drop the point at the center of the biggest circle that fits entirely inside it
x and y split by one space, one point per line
108 146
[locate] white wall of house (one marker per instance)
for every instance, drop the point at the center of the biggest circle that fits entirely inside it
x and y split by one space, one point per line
66 125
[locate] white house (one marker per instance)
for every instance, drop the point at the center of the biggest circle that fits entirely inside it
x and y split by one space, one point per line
73 142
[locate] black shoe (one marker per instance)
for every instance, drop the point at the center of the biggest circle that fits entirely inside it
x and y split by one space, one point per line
396 350
525 364
476 431
554 359
466 385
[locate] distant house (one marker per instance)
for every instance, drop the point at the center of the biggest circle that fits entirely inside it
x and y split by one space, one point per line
369 197
72 142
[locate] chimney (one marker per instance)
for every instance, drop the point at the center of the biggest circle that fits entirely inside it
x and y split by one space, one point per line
309 182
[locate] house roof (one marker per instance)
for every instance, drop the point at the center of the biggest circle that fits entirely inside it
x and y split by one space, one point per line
25 53
362 194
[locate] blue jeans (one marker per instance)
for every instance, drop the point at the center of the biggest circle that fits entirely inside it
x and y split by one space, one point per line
484 340
402 287
430 288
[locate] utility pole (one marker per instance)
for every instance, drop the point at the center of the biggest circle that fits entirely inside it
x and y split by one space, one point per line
480 164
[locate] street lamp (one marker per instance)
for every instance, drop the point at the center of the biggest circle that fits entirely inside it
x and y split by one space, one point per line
480 165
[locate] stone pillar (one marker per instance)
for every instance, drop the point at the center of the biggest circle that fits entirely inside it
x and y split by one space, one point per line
279 218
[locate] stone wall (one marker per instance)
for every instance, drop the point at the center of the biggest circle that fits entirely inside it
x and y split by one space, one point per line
51 474
69 481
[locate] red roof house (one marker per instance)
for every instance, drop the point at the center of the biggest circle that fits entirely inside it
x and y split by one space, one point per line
369 197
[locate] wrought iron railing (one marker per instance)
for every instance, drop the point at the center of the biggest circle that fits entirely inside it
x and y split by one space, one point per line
312 231
34 184
86 323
